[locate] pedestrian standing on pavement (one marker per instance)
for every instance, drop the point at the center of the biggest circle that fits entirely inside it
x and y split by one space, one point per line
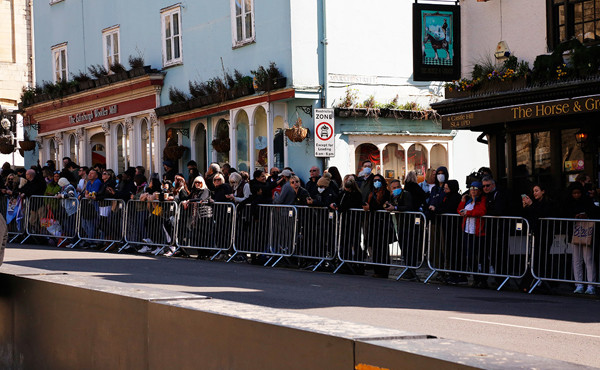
472 207
378 230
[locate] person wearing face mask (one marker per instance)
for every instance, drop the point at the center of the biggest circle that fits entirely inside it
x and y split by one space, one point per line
325 195
437 194
377 241
364 179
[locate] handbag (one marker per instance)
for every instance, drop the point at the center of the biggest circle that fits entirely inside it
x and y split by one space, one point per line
49 219
582 233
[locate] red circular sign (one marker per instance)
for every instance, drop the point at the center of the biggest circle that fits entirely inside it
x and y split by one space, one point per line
327 133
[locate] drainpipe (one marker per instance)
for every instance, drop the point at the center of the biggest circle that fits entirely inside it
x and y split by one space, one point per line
324 103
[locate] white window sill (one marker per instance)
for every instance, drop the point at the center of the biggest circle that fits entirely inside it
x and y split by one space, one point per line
241 44
173 64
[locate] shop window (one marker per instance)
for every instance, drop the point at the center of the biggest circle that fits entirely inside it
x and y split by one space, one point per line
438 156
200 139
261 157
111 46
278 142
223 140
367 152
59 62
394 162
242 21
98 149
578 19
171 31
242 143
572 155
533 154
417 160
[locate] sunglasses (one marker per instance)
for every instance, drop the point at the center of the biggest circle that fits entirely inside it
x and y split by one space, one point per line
294 182
313 170
487 185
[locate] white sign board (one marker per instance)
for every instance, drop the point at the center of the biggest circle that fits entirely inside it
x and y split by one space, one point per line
324 133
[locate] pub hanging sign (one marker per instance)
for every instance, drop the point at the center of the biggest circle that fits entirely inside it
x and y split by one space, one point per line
436 42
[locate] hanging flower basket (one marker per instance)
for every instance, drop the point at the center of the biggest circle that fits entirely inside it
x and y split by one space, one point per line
221 145
6 145
27 145
174 153
297 133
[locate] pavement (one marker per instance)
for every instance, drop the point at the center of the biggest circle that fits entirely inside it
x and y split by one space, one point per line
563 327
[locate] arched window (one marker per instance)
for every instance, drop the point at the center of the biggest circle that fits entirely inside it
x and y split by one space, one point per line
417 160
438 156
73 147
366 152
394 162
261 158
223 142
98 149
242 142
200 154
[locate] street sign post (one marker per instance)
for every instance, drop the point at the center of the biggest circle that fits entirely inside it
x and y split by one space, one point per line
324 132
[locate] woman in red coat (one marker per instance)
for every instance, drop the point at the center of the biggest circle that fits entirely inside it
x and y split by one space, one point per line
472 208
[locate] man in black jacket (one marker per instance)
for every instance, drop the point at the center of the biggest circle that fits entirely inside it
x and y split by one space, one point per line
496 248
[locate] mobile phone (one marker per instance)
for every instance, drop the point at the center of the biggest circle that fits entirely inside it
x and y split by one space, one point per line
523 196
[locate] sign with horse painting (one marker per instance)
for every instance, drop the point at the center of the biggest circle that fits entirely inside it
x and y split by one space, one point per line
436 42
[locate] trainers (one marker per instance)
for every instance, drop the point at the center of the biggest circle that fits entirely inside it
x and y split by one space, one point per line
156 250
146 249
590 290
147 240
168 254
578 289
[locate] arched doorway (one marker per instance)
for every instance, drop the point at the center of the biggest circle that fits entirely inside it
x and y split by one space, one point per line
53 151
73 147
98 148
122 149
200 154
242 143
261 158
223 140
394 162
417 160
368 152
438 156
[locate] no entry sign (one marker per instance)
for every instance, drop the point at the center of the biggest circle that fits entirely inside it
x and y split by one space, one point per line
324 133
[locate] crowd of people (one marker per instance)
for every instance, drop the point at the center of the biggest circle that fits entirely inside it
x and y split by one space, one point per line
436 194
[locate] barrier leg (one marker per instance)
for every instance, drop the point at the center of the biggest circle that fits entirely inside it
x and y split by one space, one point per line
14 238
430 276
23 241
269 260
159 251
339 267
62 242
401 274
75 244
215 256
318 265
504 282
234 254
110 245
276 262
125 246
537 282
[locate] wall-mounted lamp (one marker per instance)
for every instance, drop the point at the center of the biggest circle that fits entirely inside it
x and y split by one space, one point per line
581 138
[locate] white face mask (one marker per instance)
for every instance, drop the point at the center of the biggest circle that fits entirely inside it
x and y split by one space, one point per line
320 190
441 177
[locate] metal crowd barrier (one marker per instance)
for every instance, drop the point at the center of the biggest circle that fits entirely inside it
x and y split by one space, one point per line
13 209
501 251
395 239
101 221
150 223
51 217
564 250
206 226
268 230
316 234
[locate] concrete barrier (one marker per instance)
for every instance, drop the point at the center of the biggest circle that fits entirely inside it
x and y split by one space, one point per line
61 321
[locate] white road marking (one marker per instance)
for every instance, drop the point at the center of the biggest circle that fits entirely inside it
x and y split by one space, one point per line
525 327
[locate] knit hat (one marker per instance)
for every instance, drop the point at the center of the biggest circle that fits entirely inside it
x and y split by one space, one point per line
323 182
62 182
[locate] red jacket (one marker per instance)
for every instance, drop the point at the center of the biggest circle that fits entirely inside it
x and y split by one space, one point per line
477 211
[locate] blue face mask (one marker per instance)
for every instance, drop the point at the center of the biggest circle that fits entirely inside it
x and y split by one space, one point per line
396 192
377 184
174 184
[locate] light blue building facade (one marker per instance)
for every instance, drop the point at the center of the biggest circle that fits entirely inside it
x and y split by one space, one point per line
321 47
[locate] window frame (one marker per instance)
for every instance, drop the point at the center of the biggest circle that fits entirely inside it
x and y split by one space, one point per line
113 32
245 39
165 13
553 33
62 68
